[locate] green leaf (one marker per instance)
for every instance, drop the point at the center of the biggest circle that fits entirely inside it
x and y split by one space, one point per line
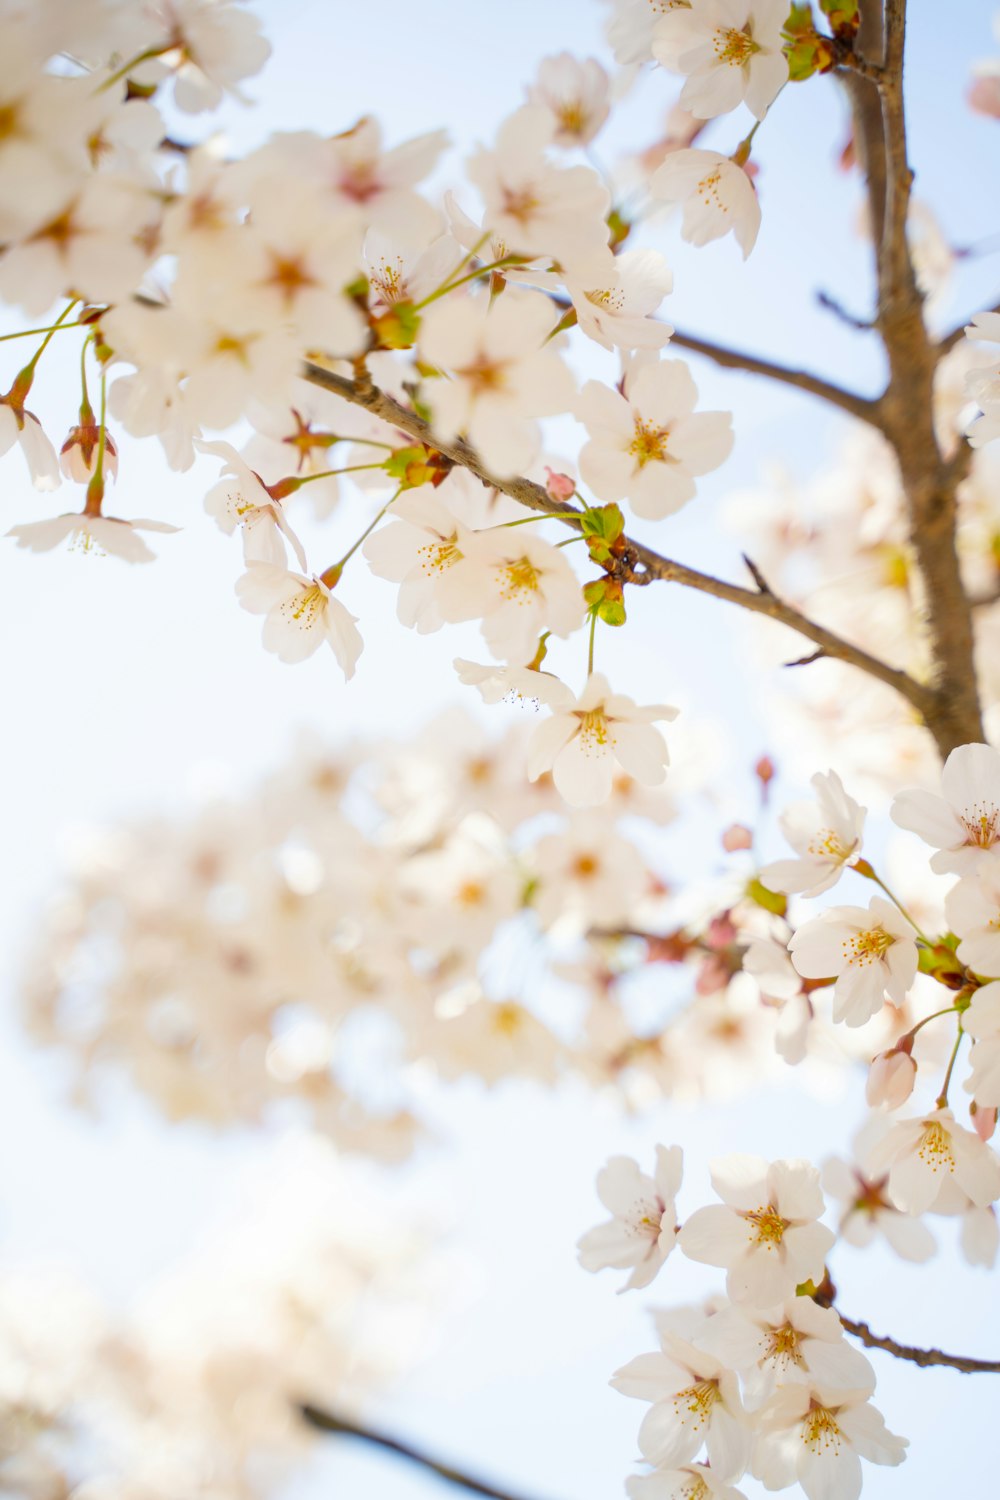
844 17
398 328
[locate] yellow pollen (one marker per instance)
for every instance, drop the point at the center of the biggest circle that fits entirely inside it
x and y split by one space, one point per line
697 1400
389 279
519 579
437 557
520 204
614 301
768 1224
935 1149
866 948
733 47
649 444
981 822
485 375
572 116
584 866
827 844
708 190
470 894
304 607
784 1346
820 1431
507 1019
593 730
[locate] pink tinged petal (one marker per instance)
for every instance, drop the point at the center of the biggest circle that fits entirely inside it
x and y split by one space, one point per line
650 1377
714 92
807 1246
671 1433
908 1237
795 1189
741 1181
838 1365
828 1467
660 490
914 1182
611 1244
760 1278
715 1236
703 441
977 1168
728 1444
343 636
858 994
548 740
768 73
620 1185
865 1427
669 1171
928 816
641 750
584 772
981 952
663 391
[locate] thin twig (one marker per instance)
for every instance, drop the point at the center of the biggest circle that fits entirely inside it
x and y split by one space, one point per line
328 1422
644 565
957 334
922 1357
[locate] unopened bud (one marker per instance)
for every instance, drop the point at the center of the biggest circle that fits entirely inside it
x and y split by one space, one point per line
891 1078
78 454
559 486
737 836
984 1121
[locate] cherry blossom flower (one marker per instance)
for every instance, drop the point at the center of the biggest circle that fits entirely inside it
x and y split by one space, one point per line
769 964
576 93
890 1079
972 908
215 45
825 835
929 1152
618 312
872 954
731 51
537 208
586 875
513 684
243 501
519 585
982 1021
642 1229
501 376
765 1231
818 1436
78 454
695 1400
301 614
717 195
983 383
648 445
690 1482
583 742
796 1343
97 534
406 268
421 542
18 425
867 1210
963 823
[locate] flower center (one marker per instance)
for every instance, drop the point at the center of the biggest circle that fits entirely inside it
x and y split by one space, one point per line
867 947
821 1433
438 557
732 47
507 1019
784 1346
697 1401
768 1224
649 445
304 608
981 822
935 1149
520 203
708 191
593 730
827 843
519 577
388 279
613 300
484 375
572 116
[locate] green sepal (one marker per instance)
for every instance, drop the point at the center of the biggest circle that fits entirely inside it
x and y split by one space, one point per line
773 901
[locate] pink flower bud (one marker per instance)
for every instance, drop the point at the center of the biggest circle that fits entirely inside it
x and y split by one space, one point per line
720 932
78 454
984 96
984 1121
713 975
890 1079
737 836
559 486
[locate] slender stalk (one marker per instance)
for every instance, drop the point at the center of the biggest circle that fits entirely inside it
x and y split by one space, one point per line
925 1357
366 533
449 286
942 1098
590 648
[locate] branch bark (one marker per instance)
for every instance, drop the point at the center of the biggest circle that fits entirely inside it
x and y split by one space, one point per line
326 1421
922 1357
760 600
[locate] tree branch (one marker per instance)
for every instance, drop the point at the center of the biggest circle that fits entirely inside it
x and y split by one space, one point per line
922 1357
760 600
863 407
328 1422
957 334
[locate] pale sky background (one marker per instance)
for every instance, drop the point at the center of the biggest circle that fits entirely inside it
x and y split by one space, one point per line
127 689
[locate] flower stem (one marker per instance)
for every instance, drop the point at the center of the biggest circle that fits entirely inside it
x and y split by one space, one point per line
949 1010
450 286
590 649
864 868
367 531
942 1098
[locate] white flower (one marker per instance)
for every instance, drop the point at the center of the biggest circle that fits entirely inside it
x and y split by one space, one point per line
891 1077
217 45
97 534
963 824
930 1152
770 966
586 875
576 94
642 1228
421 542
242 500
731 51
796 1343
983 384
972 909
982 1021
648 445
868 1212
536 208
690 1482
513 684
717 195
519 585
872 954
765 1232
695 1400
825 835
23 427
618 312
584 741
501 376
301 614
818 1436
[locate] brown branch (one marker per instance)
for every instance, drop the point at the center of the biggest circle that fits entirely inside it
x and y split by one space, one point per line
654 567
863 407
922 1357
326 1421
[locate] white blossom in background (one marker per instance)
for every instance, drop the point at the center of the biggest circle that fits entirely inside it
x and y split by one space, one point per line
972 908
243 501
825 834
585 739
576 92
716 195
872 954
963 823
643 1226
983 384
982 1021
691 1482
498 374
301 615
765 1233
729 50
648 445
102 535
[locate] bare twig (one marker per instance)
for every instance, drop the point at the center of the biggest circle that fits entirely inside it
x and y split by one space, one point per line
923 1357
831 304
957 334
643 564
328 1422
